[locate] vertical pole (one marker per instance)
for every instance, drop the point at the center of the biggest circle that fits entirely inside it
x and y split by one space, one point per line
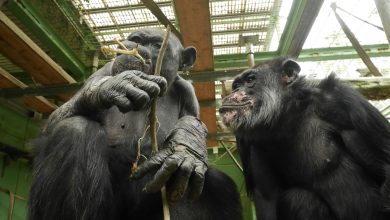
383 7
250 55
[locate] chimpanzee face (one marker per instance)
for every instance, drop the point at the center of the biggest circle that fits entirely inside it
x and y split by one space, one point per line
148 42
257 95
175 57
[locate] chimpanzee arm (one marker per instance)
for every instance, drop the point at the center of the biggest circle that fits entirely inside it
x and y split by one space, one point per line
73 107
364 131
184 152
258 173
188 101
128 90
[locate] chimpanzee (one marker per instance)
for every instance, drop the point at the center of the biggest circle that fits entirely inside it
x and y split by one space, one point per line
84 155
310 151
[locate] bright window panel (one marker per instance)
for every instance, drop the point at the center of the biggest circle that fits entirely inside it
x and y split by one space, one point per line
91 4
326 31
101 19
225 39
168 12
227 50
124 17
116 3
143 15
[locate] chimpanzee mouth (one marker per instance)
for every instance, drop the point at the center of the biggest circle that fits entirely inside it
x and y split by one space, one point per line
230 106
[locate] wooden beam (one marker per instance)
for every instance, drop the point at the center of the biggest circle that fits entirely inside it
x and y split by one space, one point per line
22 51
39 103
194 19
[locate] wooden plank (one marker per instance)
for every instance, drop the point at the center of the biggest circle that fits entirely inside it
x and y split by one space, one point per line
205 91
22 51
39 103
194 20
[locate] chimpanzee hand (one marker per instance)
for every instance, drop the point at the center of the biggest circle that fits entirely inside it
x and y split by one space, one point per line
183 157
129 90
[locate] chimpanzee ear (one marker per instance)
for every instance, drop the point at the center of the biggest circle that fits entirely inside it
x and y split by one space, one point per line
188 58
290 70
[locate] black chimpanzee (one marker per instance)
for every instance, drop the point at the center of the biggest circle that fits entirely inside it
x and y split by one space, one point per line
309 151
85 153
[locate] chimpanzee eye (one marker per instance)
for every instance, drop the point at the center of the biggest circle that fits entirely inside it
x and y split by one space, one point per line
250 78
136 39
235 85
157 45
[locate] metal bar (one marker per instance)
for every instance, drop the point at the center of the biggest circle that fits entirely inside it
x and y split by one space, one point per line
154 8
300 20
355 43
315 54
127 26
241 15
124 7
241 31
383 7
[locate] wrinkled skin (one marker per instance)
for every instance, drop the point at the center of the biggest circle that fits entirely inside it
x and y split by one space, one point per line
85 153
308 151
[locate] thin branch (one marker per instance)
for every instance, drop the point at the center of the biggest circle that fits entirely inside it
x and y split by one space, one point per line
153 119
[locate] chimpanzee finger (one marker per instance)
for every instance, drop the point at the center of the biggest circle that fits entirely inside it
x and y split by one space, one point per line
197 181
159 80
164 173
177 189
122 102
151 164
138 97
135 79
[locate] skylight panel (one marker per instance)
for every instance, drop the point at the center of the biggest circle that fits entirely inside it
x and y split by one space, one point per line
143 15
327 32
226 27
168 12
124 17
225 7
111 37
116 3
225 50
91 4
101 19
225 39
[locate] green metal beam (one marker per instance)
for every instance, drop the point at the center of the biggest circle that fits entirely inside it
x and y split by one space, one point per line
26 14
317 54
299 22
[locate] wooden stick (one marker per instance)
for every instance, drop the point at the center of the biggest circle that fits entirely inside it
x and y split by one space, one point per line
132 52
153 119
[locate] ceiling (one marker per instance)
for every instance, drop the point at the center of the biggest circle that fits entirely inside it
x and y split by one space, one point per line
48 48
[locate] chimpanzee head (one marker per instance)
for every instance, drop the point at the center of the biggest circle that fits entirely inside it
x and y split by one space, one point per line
149 43
258 94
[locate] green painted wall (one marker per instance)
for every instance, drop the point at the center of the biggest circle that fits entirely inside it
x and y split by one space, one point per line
16 177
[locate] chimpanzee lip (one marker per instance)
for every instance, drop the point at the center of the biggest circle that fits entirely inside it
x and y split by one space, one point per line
227 107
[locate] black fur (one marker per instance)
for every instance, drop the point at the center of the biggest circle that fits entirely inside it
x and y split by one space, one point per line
85 152
318 152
